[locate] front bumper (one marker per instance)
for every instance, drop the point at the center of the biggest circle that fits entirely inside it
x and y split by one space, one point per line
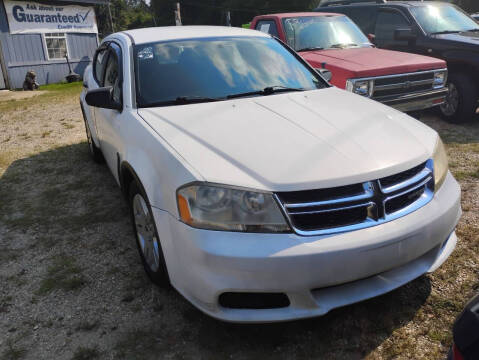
316 273
415 101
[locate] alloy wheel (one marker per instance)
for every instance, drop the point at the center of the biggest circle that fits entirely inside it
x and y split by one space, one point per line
145 232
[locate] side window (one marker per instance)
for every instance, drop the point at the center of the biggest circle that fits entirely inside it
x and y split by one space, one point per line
99 66
268 27
363 17
112 76
387 22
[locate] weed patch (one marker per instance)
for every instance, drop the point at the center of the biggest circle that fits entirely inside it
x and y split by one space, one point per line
63 274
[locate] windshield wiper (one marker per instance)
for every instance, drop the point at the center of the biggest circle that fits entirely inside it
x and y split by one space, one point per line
183 100
336 46
266 91
445 32
312 48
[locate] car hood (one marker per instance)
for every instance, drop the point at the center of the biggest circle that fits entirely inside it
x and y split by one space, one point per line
365 62
469 38
294 141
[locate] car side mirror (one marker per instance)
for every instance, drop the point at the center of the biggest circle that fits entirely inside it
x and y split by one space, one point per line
372 38
102 98
405 34
325 73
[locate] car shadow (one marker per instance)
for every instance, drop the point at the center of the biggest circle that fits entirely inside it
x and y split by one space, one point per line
350 332
63 194
452 133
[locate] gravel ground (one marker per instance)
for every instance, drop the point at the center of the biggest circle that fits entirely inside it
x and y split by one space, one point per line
72 285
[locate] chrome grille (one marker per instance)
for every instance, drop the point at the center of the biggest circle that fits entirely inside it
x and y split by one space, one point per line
402 84
354 207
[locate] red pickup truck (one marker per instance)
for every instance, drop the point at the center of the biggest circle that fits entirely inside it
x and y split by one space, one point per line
331 41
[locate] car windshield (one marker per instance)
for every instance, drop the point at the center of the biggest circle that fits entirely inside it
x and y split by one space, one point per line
201 70
323 32
436 19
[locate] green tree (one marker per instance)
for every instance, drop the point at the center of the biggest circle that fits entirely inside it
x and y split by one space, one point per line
131 14
213 12
126 14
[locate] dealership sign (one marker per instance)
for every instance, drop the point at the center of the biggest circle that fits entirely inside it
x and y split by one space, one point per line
33 18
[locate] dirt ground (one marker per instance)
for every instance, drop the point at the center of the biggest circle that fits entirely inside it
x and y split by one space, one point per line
72 285
6 95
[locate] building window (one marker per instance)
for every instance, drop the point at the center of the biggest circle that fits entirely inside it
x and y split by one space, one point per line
56 44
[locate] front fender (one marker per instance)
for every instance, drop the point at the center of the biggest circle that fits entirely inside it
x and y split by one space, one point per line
157 166
460 59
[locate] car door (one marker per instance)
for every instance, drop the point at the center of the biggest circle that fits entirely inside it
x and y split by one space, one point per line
388 20
363 16
108 120
95 81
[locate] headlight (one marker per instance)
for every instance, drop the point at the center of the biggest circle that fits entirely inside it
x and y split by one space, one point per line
226 208
441 165
440 78
360 87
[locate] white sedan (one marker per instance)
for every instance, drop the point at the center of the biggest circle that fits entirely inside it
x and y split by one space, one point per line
257 190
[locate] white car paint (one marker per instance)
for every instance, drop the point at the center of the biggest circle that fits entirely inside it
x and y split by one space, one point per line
281 134
285 142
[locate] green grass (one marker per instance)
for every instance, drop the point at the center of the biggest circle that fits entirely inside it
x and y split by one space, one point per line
51 92
62 86
68 126
63 176
63 274
443 336
462 175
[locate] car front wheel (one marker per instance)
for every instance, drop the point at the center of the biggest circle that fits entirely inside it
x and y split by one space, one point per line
461 101
146 235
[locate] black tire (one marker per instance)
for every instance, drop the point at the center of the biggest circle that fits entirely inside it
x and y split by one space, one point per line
95 152
461 103
160 275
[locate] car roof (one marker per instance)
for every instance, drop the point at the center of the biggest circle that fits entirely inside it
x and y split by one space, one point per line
300 14
168 33
389 3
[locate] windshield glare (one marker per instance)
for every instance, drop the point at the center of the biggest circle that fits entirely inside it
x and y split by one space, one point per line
216 68
323 32
443 18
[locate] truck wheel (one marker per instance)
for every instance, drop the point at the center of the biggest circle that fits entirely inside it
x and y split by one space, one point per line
146 235
461 101
95 152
